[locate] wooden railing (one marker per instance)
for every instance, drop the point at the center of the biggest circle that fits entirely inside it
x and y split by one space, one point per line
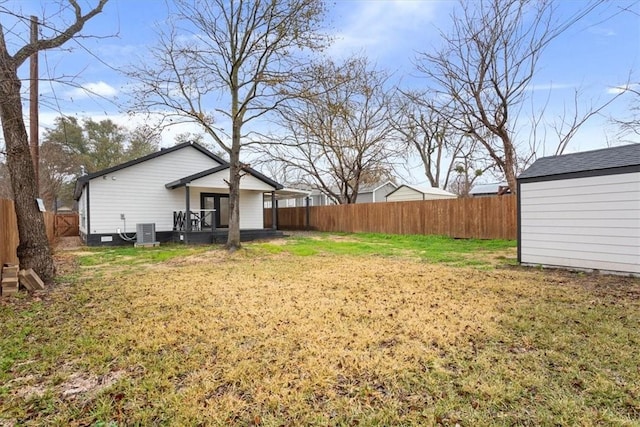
201 219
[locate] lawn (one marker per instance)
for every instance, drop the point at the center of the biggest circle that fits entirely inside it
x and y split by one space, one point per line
321 329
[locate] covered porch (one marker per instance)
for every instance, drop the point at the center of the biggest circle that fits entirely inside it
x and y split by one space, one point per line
204 217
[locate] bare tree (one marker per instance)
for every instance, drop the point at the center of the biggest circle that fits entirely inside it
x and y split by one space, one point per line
58 170
222 64
569 122
33 250
199 138
142 140
466 170
629 127
486 64
441 147
338 131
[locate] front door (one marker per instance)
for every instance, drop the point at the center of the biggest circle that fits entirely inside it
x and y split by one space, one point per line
219 202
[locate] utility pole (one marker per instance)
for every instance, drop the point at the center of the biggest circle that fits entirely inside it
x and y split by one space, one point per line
34 125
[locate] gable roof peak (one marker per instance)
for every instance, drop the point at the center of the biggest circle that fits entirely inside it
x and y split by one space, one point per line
84 179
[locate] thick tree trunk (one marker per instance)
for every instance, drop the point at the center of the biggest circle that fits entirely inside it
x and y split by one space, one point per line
33 250
233 240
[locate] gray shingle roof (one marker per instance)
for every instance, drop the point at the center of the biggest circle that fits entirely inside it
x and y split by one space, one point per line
83 180
606 158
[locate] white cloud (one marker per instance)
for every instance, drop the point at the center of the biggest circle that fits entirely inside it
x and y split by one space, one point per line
602 31
615 90
100 89
549 86
378 27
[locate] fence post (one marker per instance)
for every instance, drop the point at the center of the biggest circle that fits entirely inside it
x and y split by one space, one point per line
274 225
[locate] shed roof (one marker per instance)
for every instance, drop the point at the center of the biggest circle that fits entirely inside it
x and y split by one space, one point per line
367 188
370 188
424 189
605 158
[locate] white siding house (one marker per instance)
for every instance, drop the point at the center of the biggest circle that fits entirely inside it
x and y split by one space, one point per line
373 193
582 210
408 192
165 188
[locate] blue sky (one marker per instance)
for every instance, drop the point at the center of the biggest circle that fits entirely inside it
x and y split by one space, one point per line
598 54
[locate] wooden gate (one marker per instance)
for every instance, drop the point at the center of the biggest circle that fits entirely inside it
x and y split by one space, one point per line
67 225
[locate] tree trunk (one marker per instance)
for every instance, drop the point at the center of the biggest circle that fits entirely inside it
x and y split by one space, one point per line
233 240
510 164
33 250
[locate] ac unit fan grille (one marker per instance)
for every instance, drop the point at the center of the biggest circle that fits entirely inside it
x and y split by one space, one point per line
146 233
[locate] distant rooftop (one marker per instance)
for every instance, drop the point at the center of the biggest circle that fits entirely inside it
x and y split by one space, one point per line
487 188
425 189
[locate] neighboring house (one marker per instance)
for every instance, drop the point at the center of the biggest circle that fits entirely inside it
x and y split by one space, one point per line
582 210
375 193
183 190
408 192
367 194
488 190
316 198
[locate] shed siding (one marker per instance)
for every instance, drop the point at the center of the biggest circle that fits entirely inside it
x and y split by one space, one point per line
381 193
365 197
139 192
589 222
404 194
82 212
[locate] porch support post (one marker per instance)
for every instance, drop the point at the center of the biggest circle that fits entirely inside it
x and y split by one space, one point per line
187 213
308 212
274 224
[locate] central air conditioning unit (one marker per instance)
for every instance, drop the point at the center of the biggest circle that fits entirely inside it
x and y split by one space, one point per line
146 234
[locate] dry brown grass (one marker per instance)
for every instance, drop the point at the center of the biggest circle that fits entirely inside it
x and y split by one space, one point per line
275 339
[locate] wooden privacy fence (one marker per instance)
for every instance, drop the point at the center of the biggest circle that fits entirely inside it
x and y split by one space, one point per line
480 218
9 231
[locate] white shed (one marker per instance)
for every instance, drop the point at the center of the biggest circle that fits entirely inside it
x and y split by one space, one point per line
582 210
408 192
